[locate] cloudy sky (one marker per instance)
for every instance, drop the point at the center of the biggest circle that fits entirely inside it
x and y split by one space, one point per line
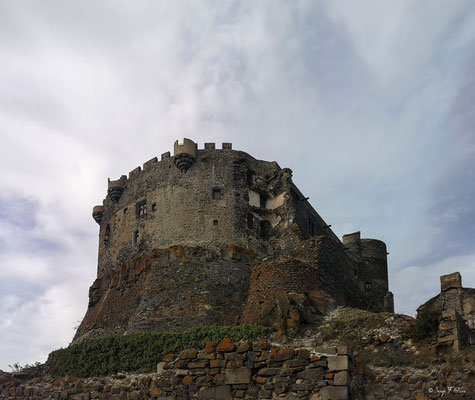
370 103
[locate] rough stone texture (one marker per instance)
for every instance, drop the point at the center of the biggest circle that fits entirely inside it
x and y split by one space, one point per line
270 379
456 306
214 236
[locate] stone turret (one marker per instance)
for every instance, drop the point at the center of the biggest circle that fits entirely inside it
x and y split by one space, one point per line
184 154
115 188
97 213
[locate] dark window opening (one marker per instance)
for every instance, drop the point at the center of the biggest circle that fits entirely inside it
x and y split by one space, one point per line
136 236
217 193
141 210
250 221
154 206
311 227
262 200
368 285
264 228
250 177
107 235
215 222
125 210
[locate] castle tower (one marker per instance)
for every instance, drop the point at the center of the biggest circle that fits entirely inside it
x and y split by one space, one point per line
179 240
371 254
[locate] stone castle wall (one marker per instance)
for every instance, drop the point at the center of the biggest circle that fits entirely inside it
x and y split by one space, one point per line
194 238
225 197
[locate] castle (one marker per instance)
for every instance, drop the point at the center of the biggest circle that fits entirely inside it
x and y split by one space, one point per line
214 236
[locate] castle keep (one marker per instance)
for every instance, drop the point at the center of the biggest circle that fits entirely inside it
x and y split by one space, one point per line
214 236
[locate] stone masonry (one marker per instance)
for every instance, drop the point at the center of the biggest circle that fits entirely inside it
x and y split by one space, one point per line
456 307
215 236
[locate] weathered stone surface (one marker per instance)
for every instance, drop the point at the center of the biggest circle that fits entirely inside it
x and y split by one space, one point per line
188 354
215 393
268 371
237 376
160 369
341 378
155 391
243 347
226 345
311 374
281 354
338 363
334 393
198 364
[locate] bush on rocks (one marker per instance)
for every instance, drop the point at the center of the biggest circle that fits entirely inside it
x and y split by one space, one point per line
139 351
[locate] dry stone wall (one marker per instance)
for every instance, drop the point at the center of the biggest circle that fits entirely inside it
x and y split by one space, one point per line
221 371
227 370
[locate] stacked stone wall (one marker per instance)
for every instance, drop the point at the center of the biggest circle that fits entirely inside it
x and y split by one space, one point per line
227 370
399 383
221 371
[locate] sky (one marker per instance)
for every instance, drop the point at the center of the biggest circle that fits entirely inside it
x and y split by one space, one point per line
370 103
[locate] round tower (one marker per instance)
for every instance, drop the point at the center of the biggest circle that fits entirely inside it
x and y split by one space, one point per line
374 269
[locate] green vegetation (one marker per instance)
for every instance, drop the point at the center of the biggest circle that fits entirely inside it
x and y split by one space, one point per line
426 326
140 351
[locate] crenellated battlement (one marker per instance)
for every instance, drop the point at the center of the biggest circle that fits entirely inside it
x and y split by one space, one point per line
187 150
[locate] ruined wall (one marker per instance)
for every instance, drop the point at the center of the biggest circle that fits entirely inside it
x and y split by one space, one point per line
456 308
453 297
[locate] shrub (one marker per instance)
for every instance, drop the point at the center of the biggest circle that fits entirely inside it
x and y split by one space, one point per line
426 326
139 351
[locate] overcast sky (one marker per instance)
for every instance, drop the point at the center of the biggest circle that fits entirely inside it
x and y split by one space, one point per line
370 103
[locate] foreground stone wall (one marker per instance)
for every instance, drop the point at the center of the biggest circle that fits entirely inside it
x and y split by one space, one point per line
227 370
398 383
221 371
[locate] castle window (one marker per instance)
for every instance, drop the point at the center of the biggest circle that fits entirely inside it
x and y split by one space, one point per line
215 222
125 210
107 235
136 236
264 229
250 221
217 193
368 286
154 206
311 227
262 200
250 177
141 209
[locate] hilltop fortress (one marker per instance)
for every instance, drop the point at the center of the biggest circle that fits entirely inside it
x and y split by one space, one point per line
214 236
